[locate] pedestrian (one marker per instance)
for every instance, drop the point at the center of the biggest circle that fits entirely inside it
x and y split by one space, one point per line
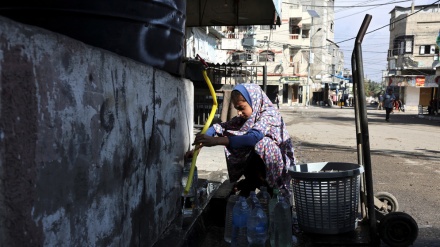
380 105
277 101
433 106
401 106
257 144
396 105
388 103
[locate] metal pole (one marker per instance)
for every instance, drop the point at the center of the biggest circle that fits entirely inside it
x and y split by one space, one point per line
265 78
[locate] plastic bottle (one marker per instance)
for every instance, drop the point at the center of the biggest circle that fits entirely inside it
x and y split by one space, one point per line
272 202
282 221
252 200
190 201
295 226
228 219
264 197
240 215
257 227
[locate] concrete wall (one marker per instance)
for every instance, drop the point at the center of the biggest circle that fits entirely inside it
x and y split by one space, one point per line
91 143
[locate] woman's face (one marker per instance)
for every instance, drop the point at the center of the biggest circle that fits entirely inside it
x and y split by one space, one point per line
244 110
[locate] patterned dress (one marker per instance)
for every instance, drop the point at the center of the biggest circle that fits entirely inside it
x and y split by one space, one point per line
275 149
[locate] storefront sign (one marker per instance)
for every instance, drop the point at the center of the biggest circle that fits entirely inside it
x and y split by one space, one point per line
290 78
420 81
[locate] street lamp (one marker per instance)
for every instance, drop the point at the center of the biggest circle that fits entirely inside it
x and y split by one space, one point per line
313 14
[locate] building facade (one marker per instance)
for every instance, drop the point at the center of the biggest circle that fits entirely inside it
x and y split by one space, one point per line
413 54
300 55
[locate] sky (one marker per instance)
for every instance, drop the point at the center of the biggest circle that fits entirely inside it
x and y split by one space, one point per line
348 20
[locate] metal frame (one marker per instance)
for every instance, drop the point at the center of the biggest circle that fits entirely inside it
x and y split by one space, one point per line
362 134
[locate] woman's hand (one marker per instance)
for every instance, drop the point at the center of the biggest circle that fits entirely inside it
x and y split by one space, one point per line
189 155
205 140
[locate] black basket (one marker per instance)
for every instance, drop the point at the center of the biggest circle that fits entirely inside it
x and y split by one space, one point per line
326 196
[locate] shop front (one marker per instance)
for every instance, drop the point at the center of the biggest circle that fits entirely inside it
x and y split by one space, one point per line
413 90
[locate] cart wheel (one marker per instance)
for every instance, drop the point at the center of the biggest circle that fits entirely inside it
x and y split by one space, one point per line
390 203
398 229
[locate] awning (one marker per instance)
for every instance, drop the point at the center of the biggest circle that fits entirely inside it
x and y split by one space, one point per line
232 13
340 76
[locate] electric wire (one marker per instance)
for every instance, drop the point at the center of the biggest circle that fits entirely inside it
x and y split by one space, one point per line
426 6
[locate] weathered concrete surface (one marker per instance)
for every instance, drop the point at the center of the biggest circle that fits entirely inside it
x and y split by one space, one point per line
91 143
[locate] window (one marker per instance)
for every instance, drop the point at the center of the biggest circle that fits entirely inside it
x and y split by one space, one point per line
408 46
403 45
305 33
391 24
266 56
331 26
294 26
238 57
427 49
392 64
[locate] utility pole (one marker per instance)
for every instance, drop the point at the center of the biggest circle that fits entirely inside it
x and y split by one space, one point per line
313 14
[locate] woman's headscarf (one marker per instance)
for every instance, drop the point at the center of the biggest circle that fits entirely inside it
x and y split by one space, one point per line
275 149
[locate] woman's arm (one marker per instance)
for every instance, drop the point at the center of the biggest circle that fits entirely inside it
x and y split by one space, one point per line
209 141
248 140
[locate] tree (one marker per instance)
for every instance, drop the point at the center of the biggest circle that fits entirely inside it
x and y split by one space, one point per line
372 88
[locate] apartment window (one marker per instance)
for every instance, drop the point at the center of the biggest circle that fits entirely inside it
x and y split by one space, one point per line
391 24
427 49
266 56
238 57
408 46
305 33
403 45
392 64
294 26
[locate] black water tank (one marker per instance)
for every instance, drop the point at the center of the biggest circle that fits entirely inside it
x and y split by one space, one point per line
149 31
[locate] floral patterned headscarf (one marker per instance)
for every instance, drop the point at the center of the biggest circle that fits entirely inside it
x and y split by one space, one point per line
275 149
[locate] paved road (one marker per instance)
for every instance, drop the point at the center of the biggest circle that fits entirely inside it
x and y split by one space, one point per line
405 156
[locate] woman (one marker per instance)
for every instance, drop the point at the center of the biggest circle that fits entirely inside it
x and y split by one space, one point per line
257 144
